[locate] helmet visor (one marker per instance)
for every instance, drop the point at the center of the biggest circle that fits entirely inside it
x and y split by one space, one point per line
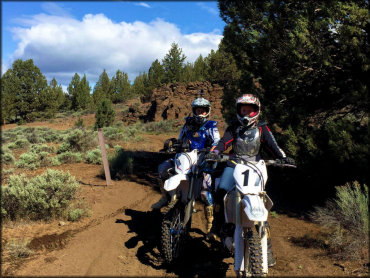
249 110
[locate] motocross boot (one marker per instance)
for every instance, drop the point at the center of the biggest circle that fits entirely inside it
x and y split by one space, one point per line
208 211
162 201
270 256
219 216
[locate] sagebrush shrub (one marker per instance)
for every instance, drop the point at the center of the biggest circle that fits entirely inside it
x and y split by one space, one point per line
7 156
28 160
78 140
113 132
19 248
37 148
347 217
33 136
121 163
94 156
42 197
69 157
79 123
75 214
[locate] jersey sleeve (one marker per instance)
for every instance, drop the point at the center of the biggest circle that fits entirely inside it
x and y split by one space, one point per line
182 132
226 140
214 133
269 143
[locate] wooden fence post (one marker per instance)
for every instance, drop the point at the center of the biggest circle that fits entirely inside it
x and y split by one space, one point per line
104 157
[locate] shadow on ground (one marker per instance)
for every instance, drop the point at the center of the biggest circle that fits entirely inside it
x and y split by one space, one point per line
198 258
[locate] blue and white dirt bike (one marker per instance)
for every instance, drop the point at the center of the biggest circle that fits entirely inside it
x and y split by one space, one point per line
184 187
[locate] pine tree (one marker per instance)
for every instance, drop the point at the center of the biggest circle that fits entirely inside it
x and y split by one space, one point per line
73 89
121 87
200 69
51 99
156 74
221 67
21 87
188 73
83 93
173 64
9 88
103 88
105 114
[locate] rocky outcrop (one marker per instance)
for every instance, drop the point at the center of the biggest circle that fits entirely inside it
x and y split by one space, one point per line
173 101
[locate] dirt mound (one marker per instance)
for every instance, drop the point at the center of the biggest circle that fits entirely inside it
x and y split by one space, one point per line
173 101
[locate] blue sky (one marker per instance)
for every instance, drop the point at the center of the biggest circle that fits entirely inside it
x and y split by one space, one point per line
63 38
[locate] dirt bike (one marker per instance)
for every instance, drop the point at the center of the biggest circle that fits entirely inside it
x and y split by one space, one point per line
246 208
184 187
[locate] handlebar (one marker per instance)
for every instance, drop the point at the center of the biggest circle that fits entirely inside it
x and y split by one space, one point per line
225 157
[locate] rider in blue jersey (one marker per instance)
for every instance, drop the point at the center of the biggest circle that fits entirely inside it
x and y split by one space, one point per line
200 133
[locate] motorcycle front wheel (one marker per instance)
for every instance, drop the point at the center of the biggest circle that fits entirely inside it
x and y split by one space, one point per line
173 232
255 265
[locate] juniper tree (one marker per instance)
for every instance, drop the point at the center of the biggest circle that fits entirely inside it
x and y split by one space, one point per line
173 64
103 88
105 114
21 89
120 86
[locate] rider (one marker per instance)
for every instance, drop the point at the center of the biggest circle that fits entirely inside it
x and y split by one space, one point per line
201 133
247 136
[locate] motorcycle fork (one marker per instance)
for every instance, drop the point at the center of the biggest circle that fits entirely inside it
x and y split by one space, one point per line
239 242
190 198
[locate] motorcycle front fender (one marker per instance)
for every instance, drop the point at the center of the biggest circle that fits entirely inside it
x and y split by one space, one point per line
255 208
174 181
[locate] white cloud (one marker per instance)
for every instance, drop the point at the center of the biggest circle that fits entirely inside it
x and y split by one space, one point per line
208 8
142 4
61 46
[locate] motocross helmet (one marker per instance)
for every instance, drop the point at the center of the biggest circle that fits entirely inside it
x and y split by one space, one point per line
251 119
200 102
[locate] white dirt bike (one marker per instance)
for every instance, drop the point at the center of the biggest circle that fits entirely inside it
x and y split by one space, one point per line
246 206
184 188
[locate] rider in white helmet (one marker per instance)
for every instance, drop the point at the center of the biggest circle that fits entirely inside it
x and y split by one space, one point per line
200 133
247 136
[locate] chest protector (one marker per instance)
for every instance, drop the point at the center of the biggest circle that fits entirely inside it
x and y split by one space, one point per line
201 138
247 142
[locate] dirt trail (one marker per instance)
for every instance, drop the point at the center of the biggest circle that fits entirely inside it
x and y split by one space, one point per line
123 241
121 237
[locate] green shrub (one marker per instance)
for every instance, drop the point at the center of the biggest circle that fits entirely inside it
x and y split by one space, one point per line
94 156
7 156
159 127
75 214
78 140
11 145
69 157
18 248
121 163
347 218
79 123
113 133
19 143
33 136
42 197
54 161
37 148
28 160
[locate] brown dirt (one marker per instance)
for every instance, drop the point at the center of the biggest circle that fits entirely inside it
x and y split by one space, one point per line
120 238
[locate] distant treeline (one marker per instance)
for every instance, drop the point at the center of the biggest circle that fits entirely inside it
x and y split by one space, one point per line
26 96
